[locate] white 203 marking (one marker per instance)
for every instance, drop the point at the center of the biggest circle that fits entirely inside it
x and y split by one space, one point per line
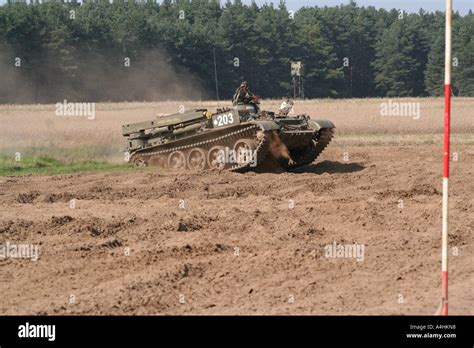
225 119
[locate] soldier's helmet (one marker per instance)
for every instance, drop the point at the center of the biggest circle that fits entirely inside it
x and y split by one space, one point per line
244 84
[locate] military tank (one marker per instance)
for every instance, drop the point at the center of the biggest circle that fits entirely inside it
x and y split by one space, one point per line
236 139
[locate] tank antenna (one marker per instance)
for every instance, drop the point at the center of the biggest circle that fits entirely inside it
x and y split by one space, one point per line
215 75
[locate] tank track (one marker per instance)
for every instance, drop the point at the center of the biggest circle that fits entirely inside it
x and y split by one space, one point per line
320 141
252 131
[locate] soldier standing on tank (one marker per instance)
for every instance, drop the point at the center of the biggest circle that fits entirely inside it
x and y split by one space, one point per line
242 94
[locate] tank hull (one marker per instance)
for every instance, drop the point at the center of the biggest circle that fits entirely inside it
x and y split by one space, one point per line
200 142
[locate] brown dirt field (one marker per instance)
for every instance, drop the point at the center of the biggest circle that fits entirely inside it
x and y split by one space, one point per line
192 251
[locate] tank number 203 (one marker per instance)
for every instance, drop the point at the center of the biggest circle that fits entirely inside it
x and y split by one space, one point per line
223 120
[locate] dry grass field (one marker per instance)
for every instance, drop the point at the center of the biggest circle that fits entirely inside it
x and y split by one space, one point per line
138 241
37 130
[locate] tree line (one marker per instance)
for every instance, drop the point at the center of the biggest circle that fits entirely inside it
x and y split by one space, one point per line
102 51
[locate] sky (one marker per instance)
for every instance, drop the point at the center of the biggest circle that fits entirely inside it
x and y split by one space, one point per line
462 6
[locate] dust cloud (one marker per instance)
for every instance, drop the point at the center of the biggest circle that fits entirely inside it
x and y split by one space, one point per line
94 76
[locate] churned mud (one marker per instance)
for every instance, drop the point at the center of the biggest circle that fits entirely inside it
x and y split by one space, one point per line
156 242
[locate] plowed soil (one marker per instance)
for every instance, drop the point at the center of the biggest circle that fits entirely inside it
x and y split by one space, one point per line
157 242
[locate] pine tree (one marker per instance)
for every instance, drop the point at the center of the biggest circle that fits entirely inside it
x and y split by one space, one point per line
434 75
322 71
465 75
347 50
396 64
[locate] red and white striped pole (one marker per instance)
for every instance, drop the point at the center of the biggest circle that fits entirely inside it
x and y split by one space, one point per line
446 155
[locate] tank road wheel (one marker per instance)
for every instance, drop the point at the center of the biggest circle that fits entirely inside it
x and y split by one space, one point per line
197 159
177 160
138 161
215 157
244 149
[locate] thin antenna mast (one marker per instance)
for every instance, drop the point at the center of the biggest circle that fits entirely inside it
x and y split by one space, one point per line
215 74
